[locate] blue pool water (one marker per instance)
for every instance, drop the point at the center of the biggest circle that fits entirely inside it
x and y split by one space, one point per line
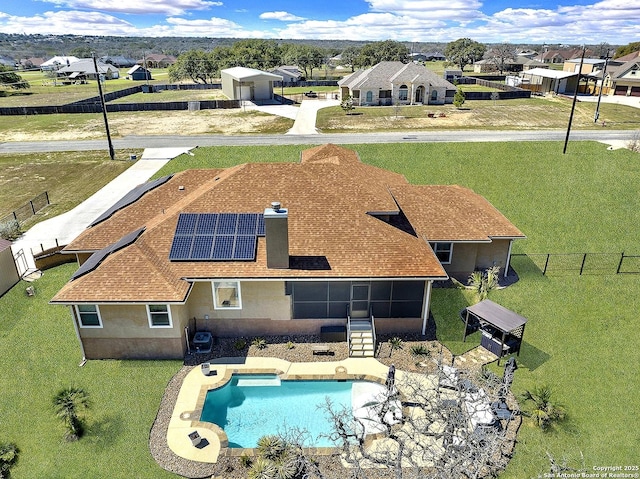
251 406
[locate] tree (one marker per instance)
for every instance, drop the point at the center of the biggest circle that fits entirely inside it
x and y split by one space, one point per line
347 104
260 54
544 411
10 79
499 55
82 52
195 65
435 435
304 56
464 51
385 51
349 56
8 458
626 49
66 405
458 98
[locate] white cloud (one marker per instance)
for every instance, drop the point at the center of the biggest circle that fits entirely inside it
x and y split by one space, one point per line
282 16
450 10
63 22
166 7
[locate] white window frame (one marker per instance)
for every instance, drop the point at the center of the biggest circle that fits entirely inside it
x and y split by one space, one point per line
151 313
79 316
220 304
403 93
449 248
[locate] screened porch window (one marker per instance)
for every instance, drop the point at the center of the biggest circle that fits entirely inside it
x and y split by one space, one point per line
443 251
88 315
226 295
159 316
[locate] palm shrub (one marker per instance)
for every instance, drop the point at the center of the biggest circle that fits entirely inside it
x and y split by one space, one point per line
271 447
8 457
67 403
276 459
394 343
259 343
481 282
544 411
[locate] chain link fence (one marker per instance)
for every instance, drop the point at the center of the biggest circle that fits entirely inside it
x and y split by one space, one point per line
10 224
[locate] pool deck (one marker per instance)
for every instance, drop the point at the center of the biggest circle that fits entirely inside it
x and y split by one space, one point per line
186 412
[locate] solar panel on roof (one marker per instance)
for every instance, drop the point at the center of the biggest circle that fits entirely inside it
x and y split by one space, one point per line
181 247
96 258
260 230
207 224
247 223
186 224
223 247
201 247
131 197
245 247
227 223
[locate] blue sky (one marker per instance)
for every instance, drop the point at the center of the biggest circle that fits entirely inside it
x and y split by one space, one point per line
535 21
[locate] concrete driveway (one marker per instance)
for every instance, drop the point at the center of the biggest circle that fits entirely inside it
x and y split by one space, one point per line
304 116
67 226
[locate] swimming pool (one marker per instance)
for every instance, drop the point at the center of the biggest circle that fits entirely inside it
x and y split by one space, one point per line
250 406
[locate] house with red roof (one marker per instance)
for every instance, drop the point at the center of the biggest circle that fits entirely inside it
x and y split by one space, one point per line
274 249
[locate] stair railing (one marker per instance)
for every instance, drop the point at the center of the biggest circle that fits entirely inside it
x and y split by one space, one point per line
348 331
373 333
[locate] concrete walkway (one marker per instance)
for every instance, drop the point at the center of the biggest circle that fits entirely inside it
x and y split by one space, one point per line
67 226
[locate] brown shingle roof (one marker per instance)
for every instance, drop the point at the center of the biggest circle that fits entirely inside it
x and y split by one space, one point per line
330 195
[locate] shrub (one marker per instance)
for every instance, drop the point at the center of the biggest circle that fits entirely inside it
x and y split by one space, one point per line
420 350
259 343
458 98
290 345
240 344
8 458
394 343
544 411
66 404
246 461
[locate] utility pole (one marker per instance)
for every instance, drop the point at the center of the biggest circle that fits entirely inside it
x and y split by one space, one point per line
604 73
575 97
112 153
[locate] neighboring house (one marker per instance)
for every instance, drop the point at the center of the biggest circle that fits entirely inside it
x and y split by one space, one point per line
288 73
452 74
240 83
624 80
434 56
138 73
212 250
157 60
396 83
589 65
543 80
561 55
118 61
85 68
58 62
517 64
417 57
32 62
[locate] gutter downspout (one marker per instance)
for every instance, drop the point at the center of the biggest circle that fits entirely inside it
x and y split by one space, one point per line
506 268
75 326
425 307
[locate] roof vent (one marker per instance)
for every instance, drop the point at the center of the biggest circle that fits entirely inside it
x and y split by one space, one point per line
275 206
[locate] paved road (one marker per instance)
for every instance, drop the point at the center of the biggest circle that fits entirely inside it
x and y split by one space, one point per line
160 141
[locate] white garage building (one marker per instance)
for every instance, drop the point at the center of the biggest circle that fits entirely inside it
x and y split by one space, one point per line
240 83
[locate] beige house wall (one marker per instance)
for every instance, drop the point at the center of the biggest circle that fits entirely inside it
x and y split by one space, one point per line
468 257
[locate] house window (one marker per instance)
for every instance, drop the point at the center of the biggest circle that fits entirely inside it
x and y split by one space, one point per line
159 316
403 93
88 316
226 295
369 96
443 251
434 95
384 94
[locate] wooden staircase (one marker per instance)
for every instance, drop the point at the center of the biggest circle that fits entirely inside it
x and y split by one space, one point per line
361 339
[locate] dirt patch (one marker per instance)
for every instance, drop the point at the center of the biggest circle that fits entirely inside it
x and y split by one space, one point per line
184 123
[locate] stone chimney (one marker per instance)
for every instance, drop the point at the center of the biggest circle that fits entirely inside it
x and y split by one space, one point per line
276 226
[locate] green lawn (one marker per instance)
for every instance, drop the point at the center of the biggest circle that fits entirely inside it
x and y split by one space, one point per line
580 338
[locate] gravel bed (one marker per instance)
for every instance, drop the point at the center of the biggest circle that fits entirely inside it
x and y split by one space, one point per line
294 349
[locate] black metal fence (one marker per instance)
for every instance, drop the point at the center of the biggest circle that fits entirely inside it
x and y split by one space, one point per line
22 214
584 263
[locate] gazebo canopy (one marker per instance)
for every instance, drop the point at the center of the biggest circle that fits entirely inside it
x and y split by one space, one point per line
498 316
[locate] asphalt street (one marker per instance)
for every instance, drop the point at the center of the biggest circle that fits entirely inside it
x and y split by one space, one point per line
174 141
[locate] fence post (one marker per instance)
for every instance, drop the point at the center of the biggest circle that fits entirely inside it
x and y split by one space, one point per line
620 263
33 210
545 264
584 258
46 193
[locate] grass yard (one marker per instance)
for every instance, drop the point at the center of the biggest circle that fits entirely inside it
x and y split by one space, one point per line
70 178
40 356
530 114
579 338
